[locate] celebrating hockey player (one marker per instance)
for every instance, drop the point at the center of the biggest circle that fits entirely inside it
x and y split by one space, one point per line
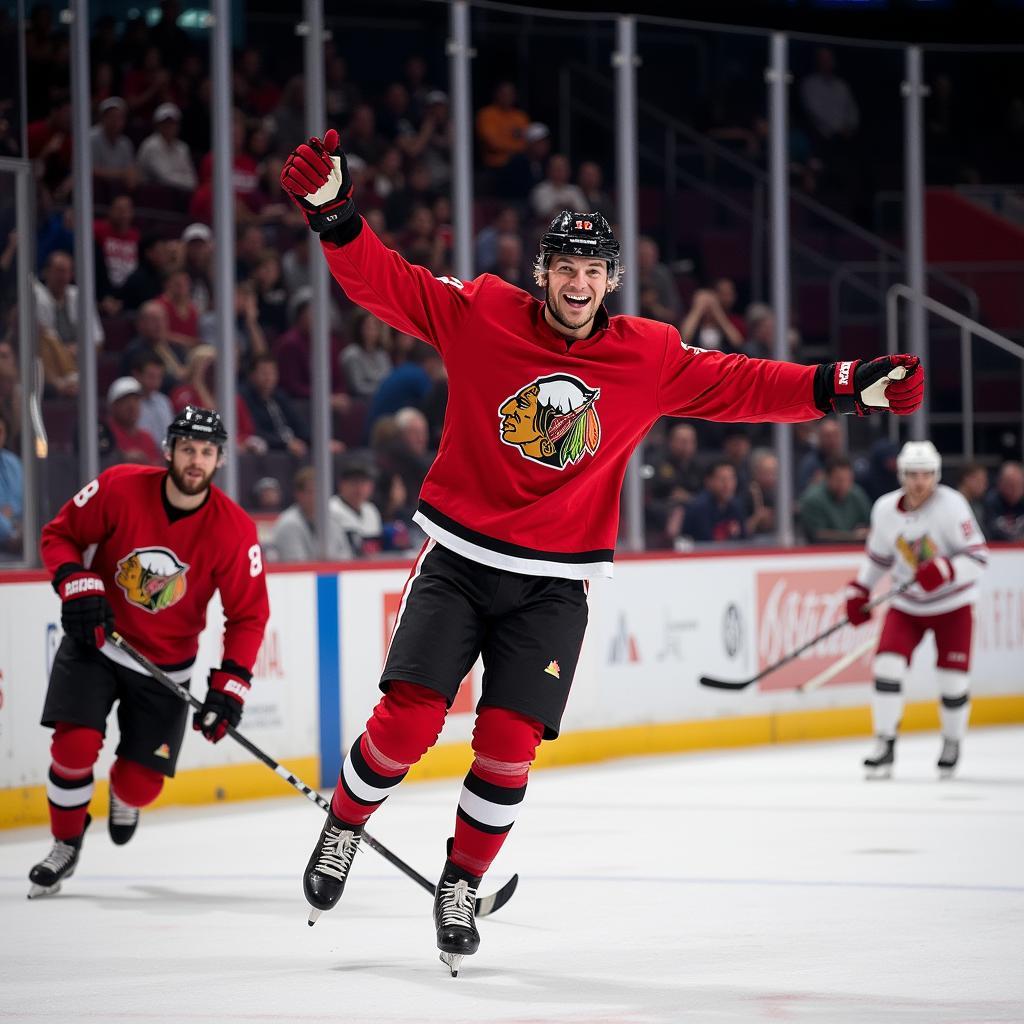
924 533
142 550
547 401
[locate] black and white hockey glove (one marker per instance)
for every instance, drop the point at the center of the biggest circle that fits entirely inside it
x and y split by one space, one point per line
317 177
860 387
225 698
85 612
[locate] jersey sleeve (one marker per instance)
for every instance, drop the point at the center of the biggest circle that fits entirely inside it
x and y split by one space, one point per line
242 582
408 298
967 549
732 388
878 554
82 522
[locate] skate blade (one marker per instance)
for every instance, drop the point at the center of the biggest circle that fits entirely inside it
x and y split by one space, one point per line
453 962
946 773
314 915
881 772
43 890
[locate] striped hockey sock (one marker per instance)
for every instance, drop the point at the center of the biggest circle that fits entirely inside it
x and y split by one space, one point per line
70 784
487 811
366 780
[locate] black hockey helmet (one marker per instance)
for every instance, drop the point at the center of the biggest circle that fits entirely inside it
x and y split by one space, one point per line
581 234
197 424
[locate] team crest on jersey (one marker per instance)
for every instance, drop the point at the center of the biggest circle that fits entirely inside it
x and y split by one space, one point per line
916 552
553 420
152 578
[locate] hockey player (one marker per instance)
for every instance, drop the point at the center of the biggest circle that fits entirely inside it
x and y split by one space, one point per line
926 533
547 401
143 549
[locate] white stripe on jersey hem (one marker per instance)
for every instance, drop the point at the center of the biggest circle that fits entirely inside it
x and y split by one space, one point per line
416 570
487 812
75 797
496 560
362 789
115 654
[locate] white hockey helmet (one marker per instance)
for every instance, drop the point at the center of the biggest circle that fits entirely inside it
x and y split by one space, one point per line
920 455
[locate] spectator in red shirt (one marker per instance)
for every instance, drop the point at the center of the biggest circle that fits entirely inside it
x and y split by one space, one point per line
124 407
293 353
182 315
118 239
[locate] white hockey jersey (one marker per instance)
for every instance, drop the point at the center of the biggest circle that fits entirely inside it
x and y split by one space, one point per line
900 541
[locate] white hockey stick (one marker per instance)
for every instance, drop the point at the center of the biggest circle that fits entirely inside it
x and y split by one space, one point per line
815 682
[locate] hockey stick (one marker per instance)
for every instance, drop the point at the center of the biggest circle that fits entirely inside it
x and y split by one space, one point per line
816 682
484 905
742 684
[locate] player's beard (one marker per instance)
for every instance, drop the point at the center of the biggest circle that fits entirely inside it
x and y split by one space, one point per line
553 310
190 487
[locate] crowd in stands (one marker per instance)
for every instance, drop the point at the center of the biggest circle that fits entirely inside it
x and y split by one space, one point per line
154 312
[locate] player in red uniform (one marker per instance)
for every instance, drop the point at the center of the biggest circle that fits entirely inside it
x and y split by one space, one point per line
143 549
547 401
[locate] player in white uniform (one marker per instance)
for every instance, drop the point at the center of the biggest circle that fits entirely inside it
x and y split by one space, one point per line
925 533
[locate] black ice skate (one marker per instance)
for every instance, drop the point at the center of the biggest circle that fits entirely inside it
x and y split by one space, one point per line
948 757
122 820
328 867
46 877
454 915
878 764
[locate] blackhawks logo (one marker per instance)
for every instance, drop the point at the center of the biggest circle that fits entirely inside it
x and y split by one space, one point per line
916 552
152 578
553 420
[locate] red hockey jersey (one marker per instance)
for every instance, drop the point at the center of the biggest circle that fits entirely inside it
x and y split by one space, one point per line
538 432
160 575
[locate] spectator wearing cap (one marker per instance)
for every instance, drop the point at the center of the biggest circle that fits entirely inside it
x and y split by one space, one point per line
163 158
501 127
113 155
294 354
118 239
197 242
556 192
293 537
124 408
155 411
359 517
432 143
266 495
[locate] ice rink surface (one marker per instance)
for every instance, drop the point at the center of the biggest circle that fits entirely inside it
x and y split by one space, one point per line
768 884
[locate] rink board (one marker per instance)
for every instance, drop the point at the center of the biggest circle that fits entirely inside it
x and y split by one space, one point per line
662 623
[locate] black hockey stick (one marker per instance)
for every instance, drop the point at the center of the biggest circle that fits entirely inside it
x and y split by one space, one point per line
484 905
742 684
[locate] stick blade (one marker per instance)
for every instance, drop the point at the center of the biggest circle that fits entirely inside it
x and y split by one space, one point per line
489 904
725 684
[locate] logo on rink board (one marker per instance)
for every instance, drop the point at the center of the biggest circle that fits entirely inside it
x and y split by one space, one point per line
624 649
152 578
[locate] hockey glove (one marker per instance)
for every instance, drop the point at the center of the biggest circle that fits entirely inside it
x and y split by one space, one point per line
856 598
934 573
317 178
225 698
85 613
860 387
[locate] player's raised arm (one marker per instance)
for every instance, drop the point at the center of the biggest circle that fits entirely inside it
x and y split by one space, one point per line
407 297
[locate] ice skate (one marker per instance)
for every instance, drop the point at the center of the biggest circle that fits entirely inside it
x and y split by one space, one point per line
122 820
948 757
878 764
46 877
329 864
454 916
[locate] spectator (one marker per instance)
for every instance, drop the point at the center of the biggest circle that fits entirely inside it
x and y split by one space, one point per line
361 136
295 263
182 315
416 192
431 145
249 249
49 146
273 415
250 341
510 266
252 84
151 336
163 158
1004 505
407 384
505 223
659 297
156 411
113 155
266 495
10 387
341 98
57 302
245 179
760 337
829 446
408 452
972 485
707 326
725 289
118 239
60 366
764 480
146 281
394 117
359 518
525 170
716 514
677 475
835 510
556 192
124 407
271 295
11 495
197 242
366 360
736 451
400 533
501 127
827 100
590 180
880 476
148 83
293 538
294 354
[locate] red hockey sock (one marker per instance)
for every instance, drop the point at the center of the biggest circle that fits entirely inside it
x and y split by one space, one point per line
134 783
404 725
505 743
69 787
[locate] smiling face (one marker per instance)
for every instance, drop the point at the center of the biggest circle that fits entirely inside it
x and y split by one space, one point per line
576 287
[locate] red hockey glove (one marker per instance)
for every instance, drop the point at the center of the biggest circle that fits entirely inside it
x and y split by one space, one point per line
934 573
856 598
860 387
225 698
317 178
85 614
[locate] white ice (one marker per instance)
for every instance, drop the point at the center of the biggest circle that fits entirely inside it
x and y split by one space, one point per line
770 884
